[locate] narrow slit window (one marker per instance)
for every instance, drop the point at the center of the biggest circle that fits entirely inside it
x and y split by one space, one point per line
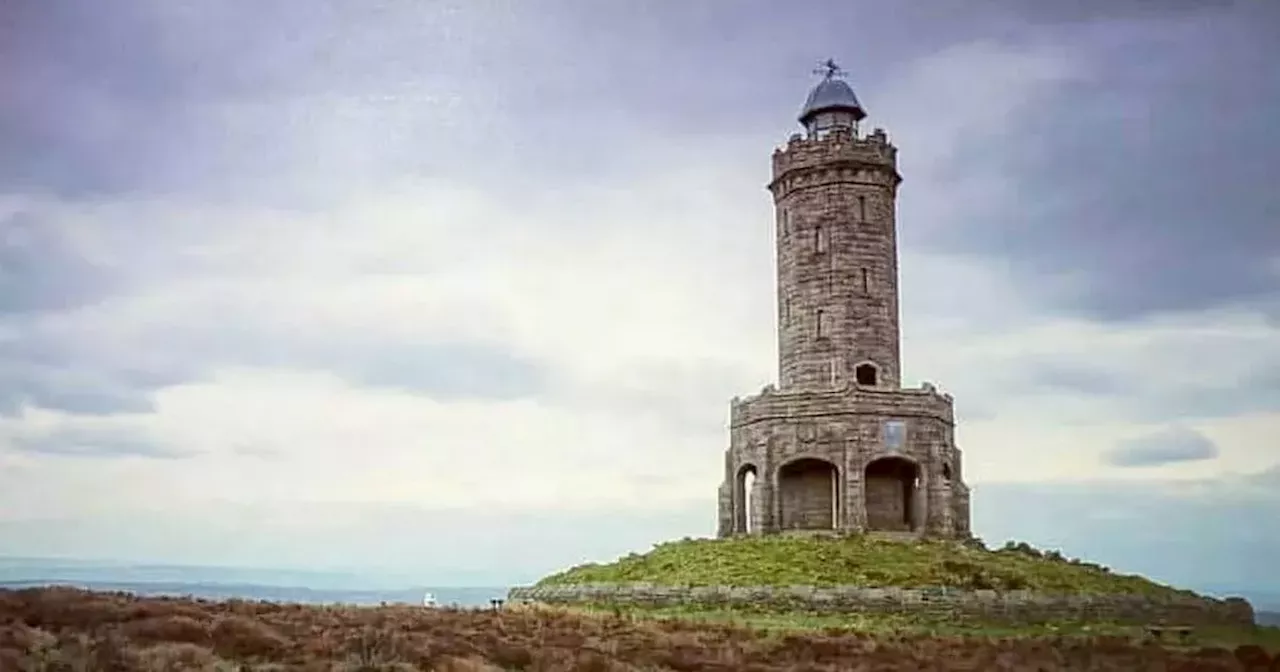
835 368
862 208
786 222
818 326
786 311
817 239
866 281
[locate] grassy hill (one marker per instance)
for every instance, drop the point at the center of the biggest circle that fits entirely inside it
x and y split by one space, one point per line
779 560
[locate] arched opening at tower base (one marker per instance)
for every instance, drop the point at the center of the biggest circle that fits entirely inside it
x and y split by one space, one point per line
744 515
808 490
891 484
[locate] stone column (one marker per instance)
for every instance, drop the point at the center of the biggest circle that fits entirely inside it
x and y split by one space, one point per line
726 509
855 518
920 512
762 505
960 496
939 521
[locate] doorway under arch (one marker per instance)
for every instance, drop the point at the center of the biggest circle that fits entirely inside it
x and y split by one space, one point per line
891 484
808 494
744 500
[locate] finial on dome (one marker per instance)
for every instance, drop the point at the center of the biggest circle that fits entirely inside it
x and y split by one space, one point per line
832 103
829 70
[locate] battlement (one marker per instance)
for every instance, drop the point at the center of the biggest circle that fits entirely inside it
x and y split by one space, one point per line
925 401
838 149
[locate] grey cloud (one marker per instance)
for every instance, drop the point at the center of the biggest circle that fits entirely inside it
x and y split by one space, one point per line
1269 477
65 372
1148 188
1082 378
147 98
41 269
1166 447
208 100
53 357
1119 394
447 371
65 369
690 399
444 370
93 442
1109 10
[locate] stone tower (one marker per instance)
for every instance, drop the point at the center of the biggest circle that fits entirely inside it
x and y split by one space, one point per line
839 444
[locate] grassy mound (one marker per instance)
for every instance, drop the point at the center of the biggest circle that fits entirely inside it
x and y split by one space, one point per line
781 560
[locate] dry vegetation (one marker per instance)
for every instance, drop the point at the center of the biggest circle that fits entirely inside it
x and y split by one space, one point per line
60 629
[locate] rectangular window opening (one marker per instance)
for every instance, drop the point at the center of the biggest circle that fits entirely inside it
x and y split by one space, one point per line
819 325
895 434
862 208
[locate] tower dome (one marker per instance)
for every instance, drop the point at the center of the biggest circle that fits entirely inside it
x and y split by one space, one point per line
831 104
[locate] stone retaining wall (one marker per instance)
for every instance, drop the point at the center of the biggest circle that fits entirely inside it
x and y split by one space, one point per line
986 606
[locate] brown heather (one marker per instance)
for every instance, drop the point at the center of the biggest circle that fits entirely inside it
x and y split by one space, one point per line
62 629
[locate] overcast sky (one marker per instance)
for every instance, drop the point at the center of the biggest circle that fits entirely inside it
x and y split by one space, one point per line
462 289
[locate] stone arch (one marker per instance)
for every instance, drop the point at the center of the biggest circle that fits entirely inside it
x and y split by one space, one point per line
866 373
809 494
891 483
744 496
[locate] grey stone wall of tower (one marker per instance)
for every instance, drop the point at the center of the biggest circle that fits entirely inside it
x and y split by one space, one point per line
839 444
837 261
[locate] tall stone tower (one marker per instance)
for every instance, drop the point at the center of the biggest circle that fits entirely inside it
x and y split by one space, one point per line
839 444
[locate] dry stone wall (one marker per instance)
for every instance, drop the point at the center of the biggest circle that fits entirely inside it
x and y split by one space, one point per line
954 605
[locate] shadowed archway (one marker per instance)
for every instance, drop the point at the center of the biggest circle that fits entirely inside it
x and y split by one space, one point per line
891 484
744 514
808 493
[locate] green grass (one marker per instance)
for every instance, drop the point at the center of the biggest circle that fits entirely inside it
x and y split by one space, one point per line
782 560
1230 637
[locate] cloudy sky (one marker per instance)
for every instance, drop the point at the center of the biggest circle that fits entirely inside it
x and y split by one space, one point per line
461 290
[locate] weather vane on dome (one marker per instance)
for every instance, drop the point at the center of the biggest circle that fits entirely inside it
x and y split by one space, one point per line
829 69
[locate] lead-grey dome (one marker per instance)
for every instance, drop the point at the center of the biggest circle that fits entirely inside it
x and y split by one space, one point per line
831 94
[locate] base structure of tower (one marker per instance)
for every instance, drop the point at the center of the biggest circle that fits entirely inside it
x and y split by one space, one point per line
839 445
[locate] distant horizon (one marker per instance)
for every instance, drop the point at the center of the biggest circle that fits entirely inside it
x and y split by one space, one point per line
357 580
100 570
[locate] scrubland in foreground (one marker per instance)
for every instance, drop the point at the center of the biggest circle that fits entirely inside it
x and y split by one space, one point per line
56 629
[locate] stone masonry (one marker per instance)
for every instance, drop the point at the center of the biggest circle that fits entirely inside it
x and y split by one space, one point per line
939 604
839 444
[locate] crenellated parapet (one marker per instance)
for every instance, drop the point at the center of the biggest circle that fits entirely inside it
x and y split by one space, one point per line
837 156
